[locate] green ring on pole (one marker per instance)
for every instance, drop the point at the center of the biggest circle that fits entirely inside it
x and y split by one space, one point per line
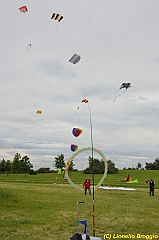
83 150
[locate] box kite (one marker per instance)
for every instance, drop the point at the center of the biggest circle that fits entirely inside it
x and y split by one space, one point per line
75 59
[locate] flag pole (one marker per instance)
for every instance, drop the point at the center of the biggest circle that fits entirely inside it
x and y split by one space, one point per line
93 217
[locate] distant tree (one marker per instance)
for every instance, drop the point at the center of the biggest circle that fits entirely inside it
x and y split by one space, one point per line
111 167
21 165
3 166
139 165
43 170
32 172
153 166
149 166
99 166
8 166
52 171
95 166
25 165
15 163
156 163
59 162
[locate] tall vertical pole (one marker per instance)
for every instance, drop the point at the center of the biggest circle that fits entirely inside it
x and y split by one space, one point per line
93 217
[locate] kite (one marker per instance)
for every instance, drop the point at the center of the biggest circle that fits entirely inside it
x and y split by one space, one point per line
123 85
28 48
38 111
134 181
57 17
117 188
60 171
23 9
74 147
69 164
76 132
85 100
75 59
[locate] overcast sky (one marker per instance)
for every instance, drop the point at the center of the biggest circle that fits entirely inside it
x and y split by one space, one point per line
118 41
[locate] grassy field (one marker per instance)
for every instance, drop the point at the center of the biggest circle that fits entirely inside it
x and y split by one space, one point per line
43 207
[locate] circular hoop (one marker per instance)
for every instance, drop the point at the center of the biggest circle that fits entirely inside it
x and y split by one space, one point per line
80 151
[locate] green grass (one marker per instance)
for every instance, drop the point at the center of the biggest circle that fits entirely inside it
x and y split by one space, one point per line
35 208
78 178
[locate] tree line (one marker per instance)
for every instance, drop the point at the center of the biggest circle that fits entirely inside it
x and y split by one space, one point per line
99 166
23 165
18 165
95 166
148 166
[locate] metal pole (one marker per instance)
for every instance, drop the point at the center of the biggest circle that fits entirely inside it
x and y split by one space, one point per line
93 217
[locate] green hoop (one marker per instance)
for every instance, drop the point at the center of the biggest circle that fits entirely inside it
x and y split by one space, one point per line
80 151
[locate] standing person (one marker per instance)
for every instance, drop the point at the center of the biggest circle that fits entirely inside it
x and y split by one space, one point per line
152 186
87 185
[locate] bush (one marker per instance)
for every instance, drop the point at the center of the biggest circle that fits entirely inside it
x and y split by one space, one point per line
32 172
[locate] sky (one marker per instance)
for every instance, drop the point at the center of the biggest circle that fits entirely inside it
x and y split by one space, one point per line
118 42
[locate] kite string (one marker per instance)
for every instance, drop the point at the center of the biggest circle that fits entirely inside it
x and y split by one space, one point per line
118 95
81 110
79 117
53 32
80 113
93 195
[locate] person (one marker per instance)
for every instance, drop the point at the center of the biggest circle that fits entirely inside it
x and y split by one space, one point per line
128 179
87 186
146 181
152 186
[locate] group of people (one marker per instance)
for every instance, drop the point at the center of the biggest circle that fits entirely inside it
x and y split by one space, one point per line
151 185
87 185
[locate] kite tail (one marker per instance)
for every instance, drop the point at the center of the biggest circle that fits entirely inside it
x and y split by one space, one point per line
28 48
118 95
115 95
81 110
80 113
